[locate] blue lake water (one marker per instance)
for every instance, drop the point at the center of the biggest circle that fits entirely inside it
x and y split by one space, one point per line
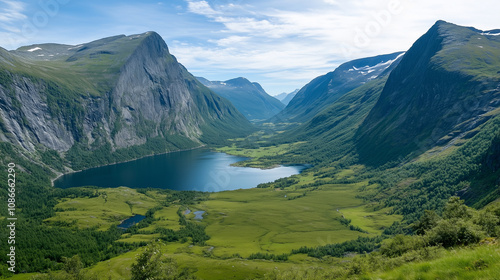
131 221
198 170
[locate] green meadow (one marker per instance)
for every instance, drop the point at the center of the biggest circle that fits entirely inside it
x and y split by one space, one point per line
240 223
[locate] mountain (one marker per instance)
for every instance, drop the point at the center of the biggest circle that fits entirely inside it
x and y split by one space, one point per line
330 135
281 96
124 94
325 90
285 98
249 98
445 87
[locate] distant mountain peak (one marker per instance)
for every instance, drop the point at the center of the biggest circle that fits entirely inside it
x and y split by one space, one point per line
248 97
324 90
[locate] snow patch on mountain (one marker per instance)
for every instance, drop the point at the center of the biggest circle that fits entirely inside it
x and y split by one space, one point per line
34 49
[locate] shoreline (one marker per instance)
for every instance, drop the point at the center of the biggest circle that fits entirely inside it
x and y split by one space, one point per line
59 175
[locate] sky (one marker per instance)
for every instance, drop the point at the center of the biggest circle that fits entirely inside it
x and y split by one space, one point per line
280 44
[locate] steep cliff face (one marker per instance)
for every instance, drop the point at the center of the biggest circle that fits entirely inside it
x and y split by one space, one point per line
151 89
120 91
26 118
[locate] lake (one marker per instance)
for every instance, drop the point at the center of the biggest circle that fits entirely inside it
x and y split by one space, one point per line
197 170
131 221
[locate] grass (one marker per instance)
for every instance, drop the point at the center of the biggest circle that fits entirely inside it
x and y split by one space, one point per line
481 262
240 223
206 268
371 221
265 220
257 155
103 211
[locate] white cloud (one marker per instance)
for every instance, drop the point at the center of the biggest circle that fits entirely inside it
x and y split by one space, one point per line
11 19
332 2
299 39
277 42
230 41
201 8
11 11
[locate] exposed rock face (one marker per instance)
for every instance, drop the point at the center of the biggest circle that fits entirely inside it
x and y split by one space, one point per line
152 88
26 120
142 93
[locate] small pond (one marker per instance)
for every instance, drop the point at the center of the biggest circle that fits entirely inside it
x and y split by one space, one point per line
131 221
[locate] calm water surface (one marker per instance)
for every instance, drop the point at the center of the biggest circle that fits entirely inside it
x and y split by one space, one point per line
199 170
131 221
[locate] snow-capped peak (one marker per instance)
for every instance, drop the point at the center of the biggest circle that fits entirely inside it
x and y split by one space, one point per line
365 70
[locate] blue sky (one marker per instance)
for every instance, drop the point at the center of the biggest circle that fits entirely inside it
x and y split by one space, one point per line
280 44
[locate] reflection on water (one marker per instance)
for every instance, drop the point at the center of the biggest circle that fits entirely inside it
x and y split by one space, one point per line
131 221
199 170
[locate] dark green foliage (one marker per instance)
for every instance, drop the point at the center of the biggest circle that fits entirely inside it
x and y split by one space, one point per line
360 245
192 229
67 105
401 244
52 159
179 197
82 157
152 264
281 183
429 220
72 270
269 257
35 200
46 247
448 233
441 178
347 223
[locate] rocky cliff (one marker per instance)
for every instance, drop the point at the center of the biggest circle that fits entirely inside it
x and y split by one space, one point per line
120 92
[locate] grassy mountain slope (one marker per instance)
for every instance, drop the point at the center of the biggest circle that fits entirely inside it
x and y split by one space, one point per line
329 136
444 87
325 90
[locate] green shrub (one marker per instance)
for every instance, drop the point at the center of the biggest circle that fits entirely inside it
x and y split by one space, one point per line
454 232
401 244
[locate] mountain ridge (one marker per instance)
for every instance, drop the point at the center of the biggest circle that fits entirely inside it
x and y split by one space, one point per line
326 89
456 89
248 97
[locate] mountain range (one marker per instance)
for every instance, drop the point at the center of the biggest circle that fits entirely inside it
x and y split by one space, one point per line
390 137
109 95
249 98
285 98
325 90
